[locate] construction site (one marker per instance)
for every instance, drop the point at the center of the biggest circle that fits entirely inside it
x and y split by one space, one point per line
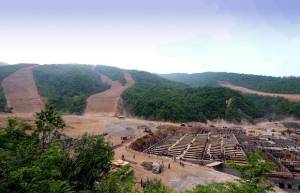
214 147
183 155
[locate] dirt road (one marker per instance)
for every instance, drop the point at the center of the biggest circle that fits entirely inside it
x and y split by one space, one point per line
21 92
290 97
107 101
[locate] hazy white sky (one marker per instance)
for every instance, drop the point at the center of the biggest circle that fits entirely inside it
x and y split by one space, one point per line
249 36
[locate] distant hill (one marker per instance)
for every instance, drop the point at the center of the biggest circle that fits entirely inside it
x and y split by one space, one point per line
174 103
177 102
147 79
67 87
3 63
289 85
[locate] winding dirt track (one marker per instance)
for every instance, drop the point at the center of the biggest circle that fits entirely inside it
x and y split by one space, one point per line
21 92
290 97
107 101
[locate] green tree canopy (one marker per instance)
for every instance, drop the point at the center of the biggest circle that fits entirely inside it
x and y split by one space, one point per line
92 161
49 119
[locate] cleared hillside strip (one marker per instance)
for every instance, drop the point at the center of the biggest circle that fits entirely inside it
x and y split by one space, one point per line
21 92
268 84
290 97
107 101
6 70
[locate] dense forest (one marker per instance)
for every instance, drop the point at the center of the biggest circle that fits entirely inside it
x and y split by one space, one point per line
177 103
153 97
274 105
112 72
189 104
261 83
147 79
67 86
41 161
6 70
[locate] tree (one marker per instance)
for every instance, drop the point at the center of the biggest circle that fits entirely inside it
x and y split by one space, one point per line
49 119
155 186
47 122
14 123
92 161
252 172
255 168
44 175
120 181
26 166
251 178
229 187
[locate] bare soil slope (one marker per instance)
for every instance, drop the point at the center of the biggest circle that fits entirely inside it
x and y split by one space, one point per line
21 92
107 101
290 97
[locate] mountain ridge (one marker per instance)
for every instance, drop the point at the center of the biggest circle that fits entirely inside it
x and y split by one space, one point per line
68 86
3 63
284 85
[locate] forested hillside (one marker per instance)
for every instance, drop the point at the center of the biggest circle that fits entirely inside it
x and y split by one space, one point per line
112 72
67 86
6 70
261 83
189 104
147 80
275 105
153 97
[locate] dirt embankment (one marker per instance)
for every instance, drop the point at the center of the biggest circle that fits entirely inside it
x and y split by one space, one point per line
290 97
148 140
21 92
162 132
108 101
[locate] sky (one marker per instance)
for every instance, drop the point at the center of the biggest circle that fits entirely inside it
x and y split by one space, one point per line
161 36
